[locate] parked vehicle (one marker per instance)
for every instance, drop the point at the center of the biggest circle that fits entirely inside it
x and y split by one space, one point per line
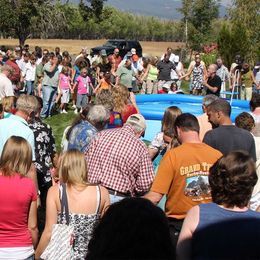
124 47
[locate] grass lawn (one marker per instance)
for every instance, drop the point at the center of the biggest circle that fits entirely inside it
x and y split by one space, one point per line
58 123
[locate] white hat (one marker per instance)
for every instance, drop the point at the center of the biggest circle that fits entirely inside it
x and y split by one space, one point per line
137 119
133 51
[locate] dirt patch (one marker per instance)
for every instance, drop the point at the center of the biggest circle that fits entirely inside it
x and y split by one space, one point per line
74 46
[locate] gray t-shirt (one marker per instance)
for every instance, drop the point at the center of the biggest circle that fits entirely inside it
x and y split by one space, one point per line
228 138
50 78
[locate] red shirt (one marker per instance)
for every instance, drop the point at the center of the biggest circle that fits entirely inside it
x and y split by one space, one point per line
118 160
16 195
128 111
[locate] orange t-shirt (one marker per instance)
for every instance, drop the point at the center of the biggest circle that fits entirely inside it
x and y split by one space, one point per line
183 177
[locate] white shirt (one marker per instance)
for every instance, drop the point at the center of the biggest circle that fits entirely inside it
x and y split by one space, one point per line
16 253
29 72
174 74
6 88
171 58
21 64
136 67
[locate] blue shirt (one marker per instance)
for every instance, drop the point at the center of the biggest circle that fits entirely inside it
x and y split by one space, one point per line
81 136
16 126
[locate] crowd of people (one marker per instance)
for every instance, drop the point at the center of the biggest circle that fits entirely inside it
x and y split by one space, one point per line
192 193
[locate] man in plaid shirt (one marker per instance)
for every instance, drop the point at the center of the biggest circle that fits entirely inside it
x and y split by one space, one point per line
119 160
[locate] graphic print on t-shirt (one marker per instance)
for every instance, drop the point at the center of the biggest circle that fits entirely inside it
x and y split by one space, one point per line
197 184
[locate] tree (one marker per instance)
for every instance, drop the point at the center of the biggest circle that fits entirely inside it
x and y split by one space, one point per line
244 16
198 14
17 16
91 8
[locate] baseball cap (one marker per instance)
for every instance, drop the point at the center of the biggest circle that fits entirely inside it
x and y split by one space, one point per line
103 53
137 119
133 51
17 48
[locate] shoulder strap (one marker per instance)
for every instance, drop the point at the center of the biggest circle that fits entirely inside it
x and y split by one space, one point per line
64 202
98 198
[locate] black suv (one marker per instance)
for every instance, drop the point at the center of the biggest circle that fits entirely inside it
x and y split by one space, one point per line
124 47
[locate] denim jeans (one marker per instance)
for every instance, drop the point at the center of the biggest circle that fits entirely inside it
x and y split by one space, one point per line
29 87
114 198
48 98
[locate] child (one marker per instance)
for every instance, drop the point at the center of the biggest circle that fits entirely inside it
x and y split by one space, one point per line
173 88
83 83
29 75
64 88
105 83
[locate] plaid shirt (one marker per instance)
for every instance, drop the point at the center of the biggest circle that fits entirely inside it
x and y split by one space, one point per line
118 160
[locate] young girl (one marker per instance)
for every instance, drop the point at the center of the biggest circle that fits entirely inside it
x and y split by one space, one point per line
29 74
64 88
105 83
84 85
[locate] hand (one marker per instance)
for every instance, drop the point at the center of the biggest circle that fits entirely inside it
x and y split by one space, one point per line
204 83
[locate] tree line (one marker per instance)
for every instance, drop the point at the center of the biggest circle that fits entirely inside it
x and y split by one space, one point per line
90 19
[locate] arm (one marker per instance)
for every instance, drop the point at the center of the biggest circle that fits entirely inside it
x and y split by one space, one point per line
33 175
98 86
184 242
215 88
144 75
152 152
253 78
51 219
32 223
133 101
145 175
73 74
106 200
188 73
154 197
205 73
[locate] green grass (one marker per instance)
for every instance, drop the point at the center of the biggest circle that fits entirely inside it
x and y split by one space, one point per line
58 123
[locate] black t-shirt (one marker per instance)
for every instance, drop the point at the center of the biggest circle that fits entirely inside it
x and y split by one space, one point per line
105 67
165 70
228 138
214 82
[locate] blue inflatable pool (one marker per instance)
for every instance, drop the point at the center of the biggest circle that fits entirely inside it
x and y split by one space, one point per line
152 107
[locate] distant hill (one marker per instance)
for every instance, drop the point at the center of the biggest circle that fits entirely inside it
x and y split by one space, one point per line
165 9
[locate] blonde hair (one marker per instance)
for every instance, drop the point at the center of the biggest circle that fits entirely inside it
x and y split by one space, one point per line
27 104
16 157
120 95
8 103
72 168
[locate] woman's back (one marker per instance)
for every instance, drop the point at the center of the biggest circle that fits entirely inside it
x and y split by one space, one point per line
16 195
85 205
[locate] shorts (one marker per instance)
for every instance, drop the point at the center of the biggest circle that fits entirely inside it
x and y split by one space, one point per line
65 98
82 100
164 84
